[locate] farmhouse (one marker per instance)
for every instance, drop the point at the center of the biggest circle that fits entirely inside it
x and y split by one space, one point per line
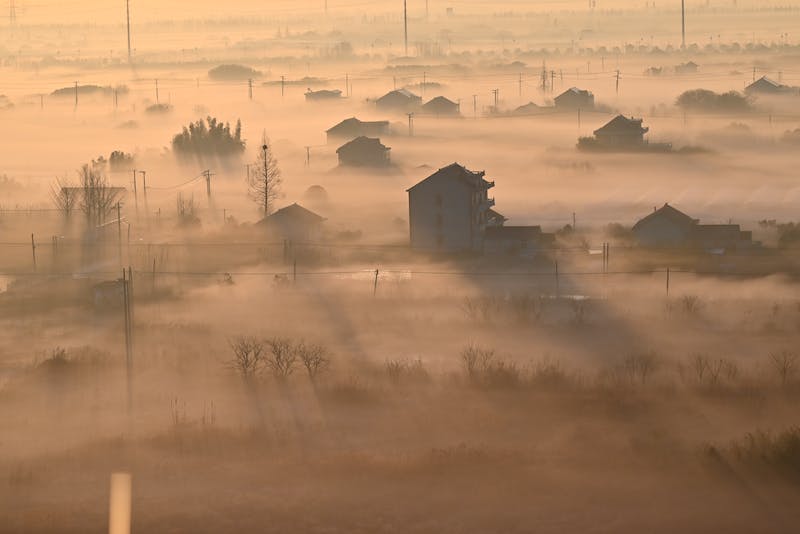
353 127
294 223
621 131
574 98
398 100
449 210
441 106
767 86
669 227
364 152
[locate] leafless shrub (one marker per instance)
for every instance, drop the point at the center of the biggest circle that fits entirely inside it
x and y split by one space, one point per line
406 370
282 358
526 308
475 359
481 309
690 304
784 363
178 413
712 372
638 367
248 356
548 373
578 307
485 369
314 358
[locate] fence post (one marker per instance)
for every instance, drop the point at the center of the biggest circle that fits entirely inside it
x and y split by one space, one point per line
294 272
667 281
375 285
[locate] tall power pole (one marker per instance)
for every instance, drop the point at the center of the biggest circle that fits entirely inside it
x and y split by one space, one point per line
683 24
128 18
405 24
12 15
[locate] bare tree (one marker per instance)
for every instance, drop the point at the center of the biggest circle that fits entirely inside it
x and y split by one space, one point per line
264 180
314 358
784 363
247 356
65 197
97 197
282 358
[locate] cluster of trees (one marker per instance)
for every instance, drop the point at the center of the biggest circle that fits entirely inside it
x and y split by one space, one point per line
209 137
233 72
710 102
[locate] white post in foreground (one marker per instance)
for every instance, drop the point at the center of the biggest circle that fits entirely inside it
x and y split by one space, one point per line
119 511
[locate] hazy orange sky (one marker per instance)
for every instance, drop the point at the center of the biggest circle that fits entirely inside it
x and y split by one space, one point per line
104 11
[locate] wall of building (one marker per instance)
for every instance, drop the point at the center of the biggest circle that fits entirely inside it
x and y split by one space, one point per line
439 216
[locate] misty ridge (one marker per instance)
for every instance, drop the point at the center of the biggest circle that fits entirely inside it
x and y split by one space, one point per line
410 266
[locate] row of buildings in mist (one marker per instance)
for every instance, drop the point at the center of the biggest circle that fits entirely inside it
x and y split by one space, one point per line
452 211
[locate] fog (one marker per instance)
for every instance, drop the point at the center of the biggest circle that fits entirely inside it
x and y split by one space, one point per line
578 357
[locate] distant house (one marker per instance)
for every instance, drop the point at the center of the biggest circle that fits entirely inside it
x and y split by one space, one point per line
621 134
621 131
574 98
526 109
767 86
364 152
441 106
517 240
294 223
323 94
398 100
686 68
352 128
669 227
449 210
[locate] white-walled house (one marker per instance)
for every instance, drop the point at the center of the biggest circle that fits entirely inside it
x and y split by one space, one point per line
449 210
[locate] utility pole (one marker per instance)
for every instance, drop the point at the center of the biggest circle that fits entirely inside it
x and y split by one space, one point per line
76 95
119 230
128 17
127 297
683 24
144 192
520 85
617 81
208 174
475 106
308 156
135 194
33 252
283 84
424 82
405 24
347 84
411 125
12 15
156 91
496 93
250 88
